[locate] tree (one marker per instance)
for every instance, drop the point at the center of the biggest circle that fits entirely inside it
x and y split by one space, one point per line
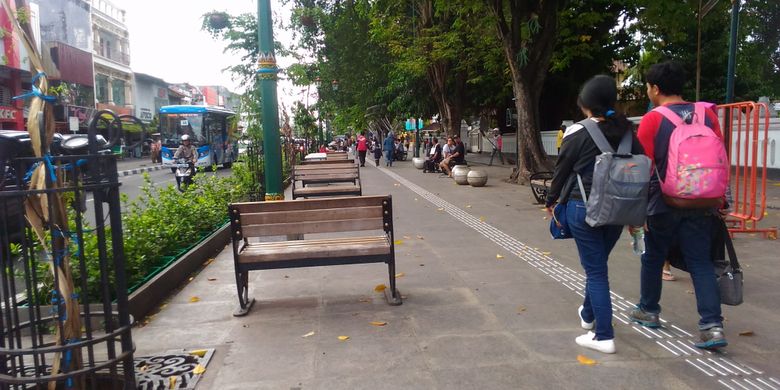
527 30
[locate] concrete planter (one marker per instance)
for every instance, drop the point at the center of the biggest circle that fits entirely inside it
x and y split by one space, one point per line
460 174
418 162
147 297
477 178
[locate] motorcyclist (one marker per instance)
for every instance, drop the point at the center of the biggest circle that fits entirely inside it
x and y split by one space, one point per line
186 150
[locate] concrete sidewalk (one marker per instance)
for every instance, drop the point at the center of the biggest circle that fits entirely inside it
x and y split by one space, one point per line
490 303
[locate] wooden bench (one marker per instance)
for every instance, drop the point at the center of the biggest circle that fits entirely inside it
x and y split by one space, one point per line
540 185
328 174
337 157
321 162
305 217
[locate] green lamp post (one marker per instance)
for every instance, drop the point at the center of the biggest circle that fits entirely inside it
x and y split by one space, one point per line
267 72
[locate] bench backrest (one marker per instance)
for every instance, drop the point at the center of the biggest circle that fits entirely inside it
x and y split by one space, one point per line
323 162
291 217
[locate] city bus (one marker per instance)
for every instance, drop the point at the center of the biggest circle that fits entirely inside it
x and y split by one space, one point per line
211 129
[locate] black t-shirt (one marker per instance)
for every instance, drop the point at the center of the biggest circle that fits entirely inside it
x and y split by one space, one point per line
460 149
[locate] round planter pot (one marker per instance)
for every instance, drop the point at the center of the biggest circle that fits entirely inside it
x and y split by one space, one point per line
460 174
477 178
418 162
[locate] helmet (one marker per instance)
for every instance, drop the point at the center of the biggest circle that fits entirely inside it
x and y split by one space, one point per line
185 137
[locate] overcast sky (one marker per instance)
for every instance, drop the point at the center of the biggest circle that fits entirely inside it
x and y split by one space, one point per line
166 40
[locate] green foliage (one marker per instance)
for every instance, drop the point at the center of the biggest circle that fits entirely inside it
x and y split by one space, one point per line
157 226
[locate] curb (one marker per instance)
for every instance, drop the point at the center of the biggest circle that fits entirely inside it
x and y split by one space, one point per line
139 170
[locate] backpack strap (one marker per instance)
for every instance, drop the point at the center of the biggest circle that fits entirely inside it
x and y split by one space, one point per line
670 115
597 135
700 113
626 143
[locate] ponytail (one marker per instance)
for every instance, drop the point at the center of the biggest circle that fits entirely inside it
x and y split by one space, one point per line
615 124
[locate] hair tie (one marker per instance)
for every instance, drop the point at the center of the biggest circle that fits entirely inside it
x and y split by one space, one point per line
610 113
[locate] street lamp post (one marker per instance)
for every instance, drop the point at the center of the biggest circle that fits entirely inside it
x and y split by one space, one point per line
267 72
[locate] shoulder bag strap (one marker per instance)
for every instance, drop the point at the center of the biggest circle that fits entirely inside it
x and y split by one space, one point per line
582 189
597 136
730 247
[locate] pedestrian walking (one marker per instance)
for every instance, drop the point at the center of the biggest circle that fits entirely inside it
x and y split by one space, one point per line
594 244
376 148
362 148
689 226
389 148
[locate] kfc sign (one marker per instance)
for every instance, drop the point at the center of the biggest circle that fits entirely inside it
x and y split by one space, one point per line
8 114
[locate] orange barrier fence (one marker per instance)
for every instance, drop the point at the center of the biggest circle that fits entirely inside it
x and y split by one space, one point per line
746 127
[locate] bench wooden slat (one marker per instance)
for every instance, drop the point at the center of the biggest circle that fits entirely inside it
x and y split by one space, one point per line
315 167
320 162
310 204
283 229
293 250
330 190
312 215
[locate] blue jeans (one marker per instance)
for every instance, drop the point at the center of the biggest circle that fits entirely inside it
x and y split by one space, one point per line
594 246
693 231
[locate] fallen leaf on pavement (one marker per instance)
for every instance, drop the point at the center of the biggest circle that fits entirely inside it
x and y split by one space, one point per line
546 253
415 199
398 242
194 299
396 184
420 237
498 256
212 279
440 209
378 323
520 309
199 369
199 352
308 334
209 261
343 338
689 291
380 288
482 219
400 275
468 206
584 360
172 382
747 333
190 279
544 218
407 238
364 300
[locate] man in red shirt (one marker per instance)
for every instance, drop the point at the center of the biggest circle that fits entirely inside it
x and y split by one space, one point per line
362 148
691 229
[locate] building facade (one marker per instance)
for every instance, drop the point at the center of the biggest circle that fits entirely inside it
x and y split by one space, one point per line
14 76
65 44
151 93
111 48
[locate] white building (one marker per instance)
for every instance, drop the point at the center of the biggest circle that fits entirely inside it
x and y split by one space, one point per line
113 76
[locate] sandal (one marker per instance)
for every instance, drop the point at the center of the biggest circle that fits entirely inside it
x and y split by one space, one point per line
667 276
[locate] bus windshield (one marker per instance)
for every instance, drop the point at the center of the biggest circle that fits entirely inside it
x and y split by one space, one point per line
173 126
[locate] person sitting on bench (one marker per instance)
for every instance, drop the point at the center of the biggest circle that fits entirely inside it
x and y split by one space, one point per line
456 158
434 157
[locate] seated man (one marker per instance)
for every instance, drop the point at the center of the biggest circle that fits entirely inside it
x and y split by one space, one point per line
457 156
434 157
447 151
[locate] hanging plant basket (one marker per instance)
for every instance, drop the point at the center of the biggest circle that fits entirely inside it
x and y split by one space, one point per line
218 20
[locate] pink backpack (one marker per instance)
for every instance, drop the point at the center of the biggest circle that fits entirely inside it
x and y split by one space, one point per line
697 166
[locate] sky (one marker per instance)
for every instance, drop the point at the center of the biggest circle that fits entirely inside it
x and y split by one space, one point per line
166 40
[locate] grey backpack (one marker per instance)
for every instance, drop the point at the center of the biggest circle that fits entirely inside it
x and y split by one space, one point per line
618 194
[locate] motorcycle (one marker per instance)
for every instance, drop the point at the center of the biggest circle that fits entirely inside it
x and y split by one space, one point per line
185 170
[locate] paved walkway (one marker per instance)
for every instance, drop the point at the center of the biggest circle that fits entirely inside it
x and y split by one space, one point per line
490 303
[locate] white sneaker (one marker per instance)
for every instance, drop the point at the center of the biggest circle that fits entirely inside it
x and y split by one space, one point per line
588 340
583 324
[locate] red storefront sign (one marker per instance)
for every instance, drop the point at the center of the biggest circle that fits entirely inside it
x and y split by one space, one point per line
10 114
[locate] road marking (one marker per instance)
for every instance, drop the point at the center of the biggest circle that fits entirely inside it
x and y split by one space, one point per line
556 271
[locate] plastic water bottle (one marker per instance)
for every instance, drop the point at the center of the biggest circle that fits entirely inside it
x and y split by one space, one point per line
638 241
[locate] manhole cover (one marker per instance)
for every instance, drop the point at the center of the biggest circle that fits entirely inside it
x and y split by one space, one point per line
178 369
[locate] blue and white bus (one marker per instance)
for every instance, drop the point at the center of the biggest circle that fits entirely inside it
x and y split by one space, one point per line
211 129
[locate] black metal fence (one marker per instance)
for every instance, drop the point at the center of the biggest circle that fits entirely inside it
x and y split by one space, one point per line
36 348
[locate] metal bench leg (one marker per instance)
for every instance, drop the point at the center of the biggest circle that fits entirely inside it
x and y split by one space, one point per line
392 295
245 303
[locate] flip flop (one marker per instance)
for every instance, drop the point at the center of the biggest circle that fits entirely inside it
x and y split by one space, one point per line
667 275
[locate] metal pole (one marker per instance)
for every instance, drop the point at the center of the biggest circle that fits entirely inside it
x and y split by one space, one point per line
267 71
698 53
732 51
